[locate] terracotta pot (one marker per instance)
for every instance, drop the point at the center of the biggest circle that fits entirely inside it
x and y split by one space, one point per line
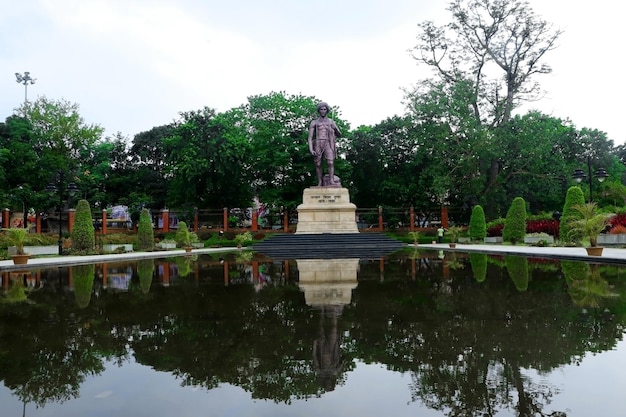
452 245
20 259
188 249
594 251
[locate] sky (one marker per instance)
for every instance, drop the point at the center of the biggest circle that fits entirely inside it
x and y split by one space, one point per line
132 65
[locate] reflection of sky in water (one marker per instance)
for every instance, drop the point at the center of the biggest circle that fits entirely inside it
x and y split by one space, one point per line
593 388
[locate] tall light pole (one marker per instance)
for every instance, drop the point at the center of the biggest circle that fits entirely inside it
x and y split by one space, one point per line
25 79
579 175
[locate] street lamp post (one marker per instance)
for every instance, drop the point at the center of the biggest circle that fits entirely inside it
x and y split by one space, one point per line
59 187
25 79
579 175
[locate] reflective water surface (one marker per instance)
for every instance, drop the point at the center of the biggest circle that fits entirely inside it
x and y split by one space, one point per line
417 333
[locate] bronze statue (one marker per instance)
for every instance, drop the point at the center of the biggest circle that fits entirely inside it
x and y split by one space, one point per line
325 132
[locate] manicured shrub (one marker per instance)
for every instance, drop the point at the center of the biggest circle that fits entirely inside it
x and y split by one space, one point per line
574 197
184 237
145 232
515 222
477 224
83 233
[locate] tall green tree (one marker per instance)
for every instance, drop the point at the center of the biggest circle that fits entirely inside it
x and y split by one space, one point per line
388 166
146 171
485 63
497 46
62 135
207 162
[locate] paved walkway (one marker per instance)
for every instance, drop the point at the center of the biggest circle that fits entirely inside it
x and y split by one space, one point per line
609 255
113 257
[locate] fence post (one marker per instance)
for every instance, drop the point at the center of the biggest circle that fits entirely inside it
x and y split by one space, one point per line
104 222
196 219
412 219
444 217
286 220
165 218
71 214
6 215
225 219
380 218
255 220
38 222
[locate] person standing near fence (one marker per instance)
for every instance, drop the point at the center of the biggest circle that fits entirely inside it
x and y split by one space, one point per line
440 233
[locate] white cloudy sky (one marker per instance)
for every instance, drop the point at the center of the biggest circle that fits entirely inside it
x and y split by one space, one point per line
135 64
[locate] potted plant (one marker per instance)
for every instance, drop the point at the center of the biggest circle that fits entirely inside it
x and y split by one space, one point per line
18 237
167 243
454 232
415 236
243 239
185 238
589 224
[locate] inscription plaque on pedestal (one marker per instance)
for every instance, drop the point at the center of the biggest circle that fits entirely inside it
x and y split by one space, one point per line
326 210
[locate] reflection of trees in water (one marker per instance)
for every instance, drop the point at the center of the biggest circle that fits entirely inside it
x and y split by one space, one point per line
585 284
466 356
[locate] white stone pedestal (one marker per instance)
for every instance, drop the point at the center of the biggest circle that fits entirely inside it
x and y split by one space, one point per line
326 210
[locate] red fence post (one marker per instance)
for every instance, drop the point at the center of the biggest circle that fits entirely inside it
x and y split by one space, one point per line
255 220
225 219
71 214
380 219
444 217
104 222
165 218
412 219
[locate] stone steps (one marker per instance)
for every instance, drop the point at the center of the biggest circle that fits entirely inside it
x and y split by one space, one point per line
328 246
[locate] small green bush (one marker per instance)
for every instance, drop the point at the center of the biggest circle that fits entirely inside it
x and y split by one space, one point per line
83 234
477 224
145 232
515 222
573 198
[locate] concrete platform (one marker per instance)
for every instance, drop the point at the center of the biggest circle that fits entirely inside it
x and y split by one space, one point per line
609 255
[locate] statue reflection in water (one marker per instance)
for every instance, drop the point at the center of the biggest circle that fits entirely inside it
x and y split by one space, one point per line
327 286
327 358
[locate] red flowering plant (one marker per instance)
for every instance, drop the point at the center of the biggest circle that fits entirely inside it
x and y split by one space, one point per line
617 224
549 226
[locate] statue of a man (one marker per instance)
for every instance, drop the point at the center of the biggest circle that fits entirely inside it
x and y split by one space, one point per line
325 131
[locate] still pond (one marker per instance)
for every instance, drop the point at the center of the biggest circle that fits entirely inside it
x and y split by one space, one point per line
417 333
